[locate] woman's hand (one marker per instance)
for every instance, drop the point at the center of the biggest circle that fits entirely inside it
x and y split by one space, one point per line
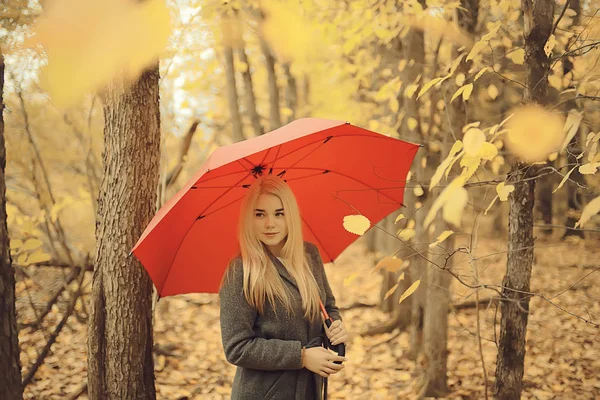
322 361
337 333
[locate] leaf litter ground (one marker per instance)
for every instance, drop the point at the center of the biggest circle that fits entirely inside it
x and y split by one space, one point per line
563 352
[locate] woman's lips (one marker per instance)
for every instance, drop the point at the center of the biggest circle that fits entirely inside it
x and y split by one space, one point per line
270 234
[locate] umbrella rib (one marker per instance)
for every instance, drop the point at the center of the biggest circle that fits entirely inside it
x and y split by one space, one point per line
188 231
316 237
326 139
349 177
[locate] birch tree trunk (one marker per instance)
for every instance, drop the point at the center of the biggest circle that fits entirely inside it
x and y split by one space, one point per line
237 134
274 113
249 93
120 364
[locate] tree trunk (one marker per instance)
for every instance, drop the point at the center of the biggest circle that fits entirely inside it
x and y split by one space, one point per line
538 17
413 48
249 93
120 364
291 93
237 134
435 322
10 364
274 114
574 197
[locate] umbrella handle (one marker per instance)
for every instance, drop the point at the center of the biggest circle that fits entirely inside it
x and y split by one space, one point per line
339 348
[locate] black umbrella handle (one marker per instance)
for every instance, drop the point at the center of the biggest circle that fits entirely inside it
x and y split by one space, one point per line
338 348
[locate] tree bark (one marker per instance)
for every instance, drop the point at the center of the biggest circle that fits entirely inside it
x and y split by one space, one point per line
435 321
291 93
10 364
538 19
120 364
249 93
237 134
413 48
274 114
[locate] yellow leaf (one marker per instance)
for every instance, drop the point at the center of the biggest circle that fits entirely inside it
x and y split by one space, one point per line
88 42
497 162
517 56
391 291
399 217
409 291
533 133
391 264
31 244
591 209
418 191
480 73
492 91
440 200
553 156
286 112
456 63
477 47
473 140
16 244
471 125
454 206
467 92
564 179
412 123
38 257
428 86
357 224
443 236
460 79
410 90
402 65
292 36
504 190
457 93
406 234
456 147
589 168
549 46
394 104
22 259
401 277
571 126
488 151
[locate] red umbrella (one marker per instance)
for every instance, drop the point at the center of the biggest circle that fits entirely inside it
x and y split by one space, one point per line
334 169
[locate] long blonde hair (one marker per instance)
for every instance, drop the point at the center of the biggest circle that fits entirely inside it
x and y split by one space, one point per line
261 279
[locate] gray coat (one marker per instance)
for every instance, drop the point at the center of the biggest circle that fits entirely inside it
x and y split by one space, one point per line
266 348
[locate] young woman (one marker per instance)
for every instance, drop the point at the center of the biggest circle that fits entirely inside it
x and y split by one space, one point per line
270 314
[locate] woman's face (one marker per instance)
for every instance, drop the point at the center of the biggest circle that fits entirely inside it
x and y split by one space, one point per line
269 222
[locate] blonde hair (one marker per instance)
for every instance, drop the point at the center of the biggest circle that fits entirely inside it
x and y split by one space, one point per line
261 279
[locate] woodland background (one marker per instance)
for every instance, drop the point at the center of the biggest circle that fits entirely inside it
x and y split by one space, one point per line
485 285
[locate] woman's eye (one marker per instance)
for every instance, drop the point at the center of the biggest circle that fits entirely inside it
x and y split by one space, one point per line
258 214
279 214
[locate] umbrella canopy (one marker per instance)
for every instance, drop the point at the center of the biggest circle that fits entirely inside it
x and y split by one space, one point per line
335 169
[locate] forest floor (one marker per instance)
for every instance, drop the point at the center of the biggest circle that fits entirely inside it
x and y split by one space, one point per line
562 359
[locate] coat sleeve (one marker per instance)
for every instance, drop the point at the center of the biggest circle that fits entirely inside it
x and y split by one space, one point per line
332 309
241 345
